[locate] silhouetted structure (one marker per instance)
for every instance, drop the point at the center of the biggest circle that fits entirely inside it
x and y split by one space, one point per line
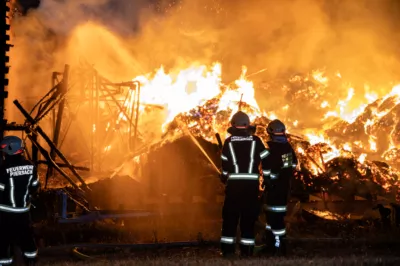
5 28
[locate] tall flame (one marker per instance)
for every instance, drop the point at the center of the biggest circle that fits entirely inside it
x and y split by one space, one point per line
179 92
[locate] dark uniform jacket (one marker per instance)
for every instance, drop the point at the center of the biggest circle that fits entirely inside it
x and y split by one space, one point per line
278 171
18 180
241 157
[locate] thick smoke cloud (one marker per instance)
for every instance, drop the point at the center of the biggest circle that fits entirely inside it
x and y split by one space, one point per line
126 38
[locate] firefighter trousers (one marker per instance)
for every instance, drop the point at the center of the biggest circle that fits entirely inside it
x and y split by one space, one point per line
275 216
15 229
238 209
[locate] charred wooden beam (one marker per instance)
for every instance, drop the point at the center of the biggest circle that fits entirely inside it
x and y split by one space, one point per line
46 154
52 98
43 107
40 131
57 129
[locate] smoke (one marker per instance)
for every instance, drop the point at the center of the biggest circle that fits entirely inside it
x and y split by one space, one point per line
354 37
124 38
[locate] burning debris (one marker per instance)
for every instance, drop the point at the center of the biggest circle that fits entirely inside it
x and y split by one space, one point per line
195 105
168 165
322 167
375 128
341 173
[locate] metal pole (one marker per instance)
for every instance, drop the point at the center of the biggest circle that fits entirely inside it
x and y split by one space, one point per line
64 205
57 128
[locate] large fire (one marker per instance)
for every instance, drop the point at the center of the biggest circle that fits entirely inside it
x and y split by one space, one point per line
196 97
180 92
351 135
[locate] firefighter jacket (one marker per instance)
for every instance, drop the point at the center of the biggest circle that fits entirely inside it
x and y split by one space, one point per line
278 171
18 180
241 157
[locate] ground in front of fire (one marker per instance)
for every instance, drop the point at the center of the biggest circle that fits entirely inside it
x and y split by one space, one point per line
120 103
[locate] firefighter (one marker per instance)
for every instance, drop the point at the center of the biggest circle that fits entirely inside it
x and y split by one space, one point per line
18 181
241 155
278 171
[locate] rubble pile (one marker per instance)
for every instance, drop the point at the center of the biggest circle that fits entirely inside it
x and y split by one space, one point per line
343 173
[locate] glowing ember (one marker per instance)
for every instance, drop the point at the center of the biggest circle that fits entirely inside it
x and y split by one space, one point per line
362 157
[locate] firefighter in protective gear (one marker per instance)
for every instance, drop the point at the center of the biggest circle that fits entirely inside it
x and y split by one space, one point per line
18 180
278 171
241 156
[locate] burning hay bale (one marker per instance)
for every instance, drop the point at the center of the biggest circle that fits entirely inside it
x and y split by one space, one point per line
375 131
346 176
322 166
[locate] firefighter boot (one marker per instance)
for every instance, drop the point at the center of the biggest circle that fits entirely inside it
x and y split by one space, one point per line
246 250
227 250
280 246
269 244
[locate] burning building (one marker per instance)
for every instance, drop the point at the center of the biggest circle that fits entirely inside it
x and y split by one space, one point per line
151 139
164 124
